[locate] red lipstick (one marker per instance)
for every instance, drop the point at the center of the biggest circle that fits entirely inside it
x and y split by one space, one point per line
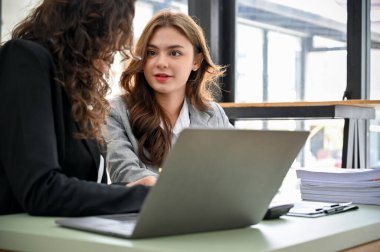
162 77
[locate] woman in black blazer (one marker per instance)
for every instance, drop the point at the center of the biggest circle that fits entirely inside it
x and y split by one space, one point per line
52 108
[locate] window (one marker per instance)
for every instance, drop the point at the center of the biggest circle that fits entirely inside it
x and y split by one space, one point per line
294 50
375 83
12 13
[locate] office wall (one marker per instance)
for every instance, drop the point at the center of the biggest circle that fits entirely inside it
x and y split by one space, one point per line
12 12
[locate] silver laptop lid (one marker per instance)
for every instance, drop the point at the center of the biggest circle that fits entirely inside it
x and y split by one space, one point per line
215 179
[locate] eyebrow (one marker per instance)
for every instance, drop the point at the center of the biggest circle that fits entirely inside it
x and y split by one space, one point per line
169 47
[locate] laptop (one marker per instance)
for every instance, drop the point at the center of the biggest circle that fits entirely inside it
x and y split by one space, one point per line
213 179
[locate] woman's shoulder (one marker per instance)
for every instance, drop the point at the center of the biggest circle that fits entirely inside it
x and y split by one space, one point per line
118 105
26 48
214 106
118 101
25 44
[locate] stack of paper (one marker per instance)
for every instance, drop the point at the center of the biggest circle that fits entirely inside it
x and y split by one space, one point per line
361 186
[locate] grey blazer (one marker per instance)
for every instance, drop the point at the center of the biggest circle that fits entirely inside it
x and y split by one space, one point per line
123 163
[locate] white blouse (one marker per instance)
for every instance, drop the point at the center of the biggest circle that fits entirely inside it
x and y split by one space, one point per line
182 122
100 169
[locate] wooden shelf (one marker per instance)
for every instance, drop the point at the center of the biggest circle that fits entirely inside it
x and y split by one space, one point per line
358 103
352 109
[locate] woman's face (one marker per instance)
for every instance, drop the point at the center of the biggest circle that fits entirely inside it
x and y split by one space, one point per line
169 61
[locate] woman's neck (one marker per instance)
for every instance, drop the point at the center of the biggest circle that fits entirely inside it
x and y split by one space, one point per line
172 107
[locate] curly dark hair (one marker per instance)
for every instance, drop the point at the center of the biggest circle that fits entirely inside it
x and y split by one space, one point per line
82 36
146 114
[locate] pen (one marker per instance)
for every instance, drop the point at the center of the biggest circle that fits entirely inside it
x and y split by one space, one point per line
334 209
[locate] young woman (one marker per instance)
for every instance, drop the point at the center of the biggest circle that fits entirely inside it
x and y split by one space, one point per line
52 106
172 87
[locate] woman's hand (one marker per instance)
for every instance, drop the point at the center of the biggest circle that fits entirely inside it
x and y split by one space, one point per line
146 181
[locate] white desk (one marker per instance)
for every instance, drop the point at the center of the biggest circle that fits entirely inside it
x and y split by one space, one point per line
21 232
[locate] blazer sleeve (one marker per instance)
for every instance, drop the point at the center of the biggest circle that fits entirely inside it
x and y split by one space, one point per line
123 163
28 146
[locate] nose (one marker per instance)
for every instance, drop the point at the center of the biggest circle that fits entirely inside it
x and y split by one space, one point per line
162 61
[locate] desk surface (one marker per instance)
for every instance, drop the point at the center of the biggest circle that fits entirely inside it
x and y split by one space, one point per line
331 233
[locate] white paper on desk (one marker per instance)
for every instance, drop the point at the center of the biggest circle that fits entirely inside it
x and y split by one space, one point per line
341 184
371 200
339 174
311 209
360 192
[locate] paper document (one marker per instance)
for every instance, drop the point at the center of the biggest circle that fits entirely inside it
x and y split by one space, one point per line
339 174
360 186
317 209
